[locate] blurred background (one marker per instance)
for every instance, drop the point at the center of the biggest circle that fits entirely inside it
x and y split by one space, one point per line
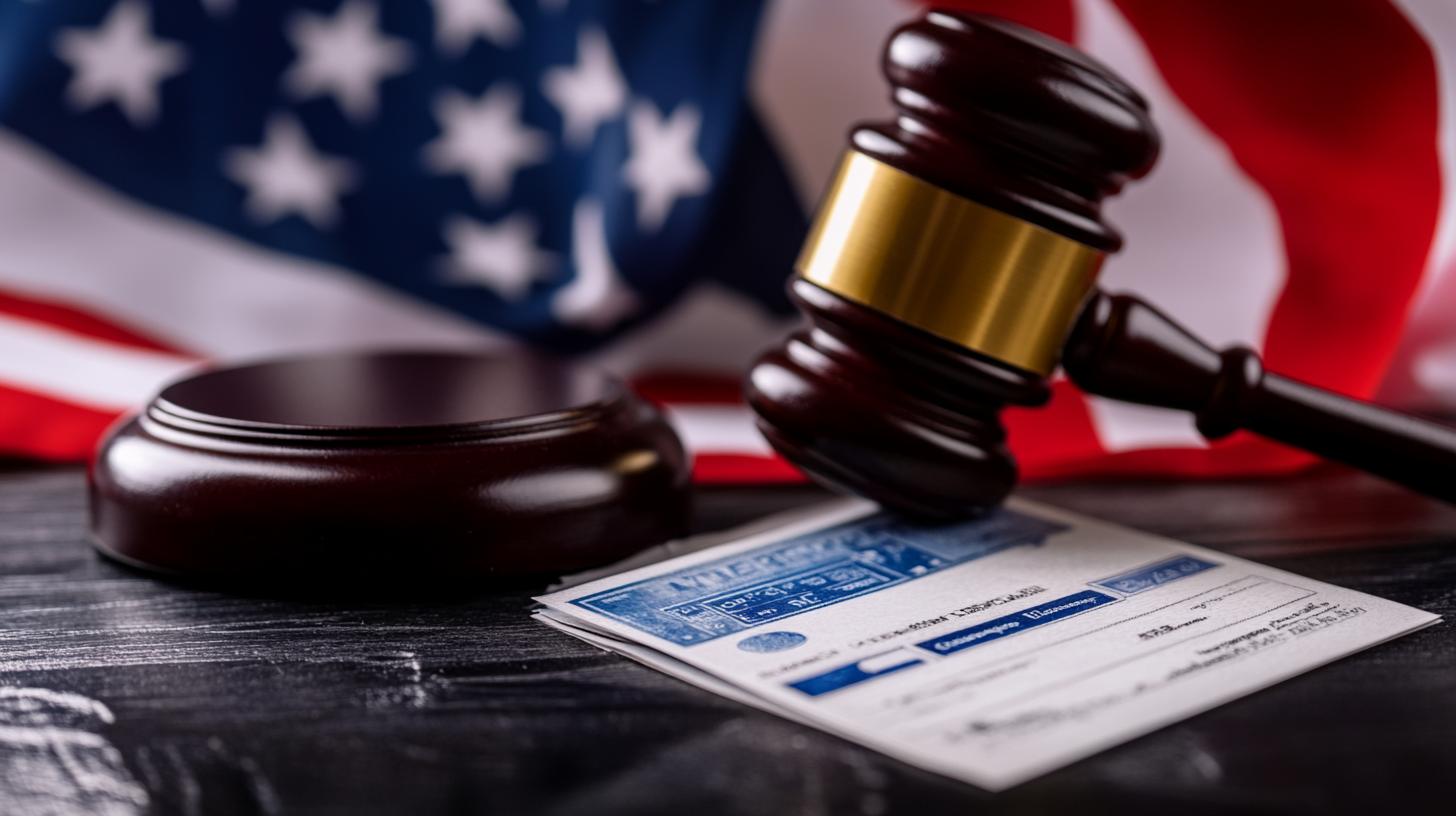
627 181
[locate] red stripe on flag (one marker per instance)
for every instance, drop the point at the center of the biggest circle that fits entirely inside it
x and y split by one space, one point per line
1056 439
1303 99
1333 111
689 388
731 469
34 425
44 426
79 321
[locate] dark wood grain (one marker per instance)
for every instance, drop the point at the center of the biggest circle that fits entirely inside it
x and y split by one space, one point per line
120 694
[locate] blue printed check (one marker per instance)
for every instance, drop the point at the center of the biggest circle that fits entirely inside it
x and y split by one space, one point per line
707 601
990 651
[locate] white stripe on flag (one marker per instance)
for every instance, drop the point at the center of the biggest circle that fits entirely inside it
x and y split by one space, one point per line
81 370
717 429
709 330
1436 21
1214 259
1423 372
816 70
66 238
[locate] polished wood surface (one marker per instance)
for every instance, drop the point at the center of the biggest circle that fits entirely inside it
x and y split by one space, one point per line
183 701
383 472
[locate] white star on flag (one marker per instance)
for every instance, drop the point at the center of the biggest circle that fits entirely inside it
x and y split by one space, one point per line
120 61
345 56
484 140
287 176
664 164
597 298
459 22
503 257
588 93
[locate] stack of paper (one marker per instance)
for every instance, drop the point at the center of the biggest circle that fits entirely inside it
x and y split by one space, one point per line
990 651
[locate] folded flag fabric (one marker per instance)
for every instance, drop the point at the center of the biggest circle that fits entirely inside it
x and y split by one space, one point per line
204 181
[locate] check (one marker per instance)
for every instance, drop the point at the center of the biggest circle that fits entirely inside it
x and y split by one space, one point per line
990 651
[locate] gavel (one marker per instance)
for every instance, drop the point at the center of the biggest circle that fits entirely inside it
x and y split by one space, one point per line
952 266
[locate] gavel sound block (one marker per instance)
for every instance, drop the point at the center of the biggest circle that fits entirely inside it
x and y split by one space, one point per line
953 263
381 473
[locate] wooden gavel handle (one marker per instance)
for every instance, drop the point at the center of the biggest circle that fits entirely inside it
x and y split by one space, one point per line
1124 348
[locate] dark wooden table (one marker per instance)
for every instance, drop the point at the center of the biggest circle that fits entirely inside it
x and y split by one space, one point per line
120 694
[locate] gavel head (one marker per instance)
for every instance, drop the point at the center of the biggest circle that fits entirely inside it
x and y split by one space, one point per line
947 263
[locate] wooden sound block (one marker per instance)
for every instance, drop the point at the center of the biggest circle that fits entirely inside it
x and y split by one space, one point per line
388 469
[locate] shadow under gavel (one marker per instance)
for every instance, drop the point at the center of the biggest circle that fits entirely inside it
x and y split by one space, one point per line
952 265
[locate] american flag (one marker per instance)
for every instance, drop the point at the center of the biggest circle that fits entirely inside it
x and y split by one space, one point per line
202 181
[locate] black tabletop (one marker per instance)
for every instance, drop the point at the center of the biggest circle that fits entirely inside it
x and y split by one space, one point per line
120 694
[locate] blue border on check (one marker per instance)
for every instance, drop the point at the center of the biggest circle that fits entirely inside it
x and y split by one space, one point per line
781 579
1154 575
949 643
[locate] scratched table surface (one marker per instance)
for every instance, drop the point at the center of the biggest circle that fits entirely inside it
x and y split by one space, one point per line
120 694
